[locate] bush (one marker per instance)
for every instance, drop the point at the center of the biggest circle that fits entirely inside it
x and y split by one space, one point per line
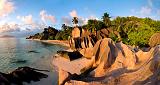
59 36
140 37
51 38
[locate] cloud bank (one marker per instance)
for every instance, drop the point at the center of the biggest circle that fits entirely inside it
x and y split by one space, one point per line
26 19
9 27
82 20
73 13
47 17
6 7
145 10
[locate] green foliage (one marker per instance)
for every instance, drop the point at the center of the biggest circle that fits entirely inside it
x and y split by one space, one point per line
132 30
106 19
141 36
75 20
59 36
94 25
64 33
113 37
51 38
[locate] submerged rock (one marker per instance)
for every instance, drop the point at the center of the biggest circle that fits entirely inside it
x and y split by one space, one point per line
32 51
19 61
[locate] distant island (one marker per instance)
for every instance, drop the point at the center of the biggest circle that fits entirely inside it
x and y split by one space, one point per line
7 36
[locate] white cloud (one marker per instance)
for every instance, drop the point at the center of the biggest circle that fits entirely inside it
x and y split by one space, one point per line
45 17
66 20
9 27
26 19
93 17
28 24
145 11
73 13
81 20
6 7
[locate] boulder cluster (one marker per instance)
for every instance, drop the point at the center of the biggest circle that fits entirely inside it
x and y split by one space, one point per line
82 38
107 63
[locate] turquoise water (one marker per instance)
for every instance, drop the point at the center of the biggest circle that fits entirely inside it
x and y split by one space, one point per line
17 52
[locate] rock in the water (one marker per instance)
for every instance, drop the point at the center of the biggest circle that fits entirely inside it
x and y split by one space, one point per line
19 61
20 75
32 51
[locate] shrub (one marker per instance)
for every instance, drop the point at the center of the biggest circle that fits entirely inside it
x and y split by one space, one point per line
140 37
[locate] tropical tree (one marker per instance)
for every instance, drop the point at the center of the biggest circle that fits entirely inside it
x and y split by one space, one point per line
119 23
106 19
94 25
64 27
75 21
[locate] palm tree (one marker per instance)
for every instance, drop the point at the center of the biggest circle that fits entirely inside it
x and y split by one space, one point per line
75 21
106 19
64 27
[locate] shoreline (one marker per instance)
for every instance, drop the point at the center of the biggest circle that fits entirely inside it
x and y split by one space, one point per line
54 73
58 42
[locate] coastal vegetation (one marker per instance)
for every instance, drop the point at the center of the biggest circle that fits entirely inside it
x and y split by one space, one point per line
132 30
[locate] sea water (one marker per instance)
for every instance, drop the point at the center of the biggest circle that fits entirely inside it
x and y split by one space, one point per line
18 52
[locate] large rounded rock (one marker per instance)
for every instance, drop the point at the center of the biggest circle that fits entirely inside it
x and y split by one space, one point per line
75 32
112 63
154 40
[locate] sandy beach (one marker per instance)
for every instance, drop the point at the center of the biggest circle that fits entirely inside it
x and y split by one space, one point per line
59 42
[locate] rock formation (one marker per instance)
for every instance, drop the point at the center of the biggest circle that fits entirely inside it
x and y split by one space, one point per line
109 63
20 75
82 38
105 33
154 40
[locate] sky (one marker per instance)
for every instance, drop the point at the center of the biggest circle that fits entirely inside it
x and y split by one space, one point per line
25 17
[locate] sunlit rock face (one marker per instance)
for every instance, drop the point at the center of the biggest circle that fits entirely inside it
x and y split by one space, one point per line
154 40
76 32
109 63
82 38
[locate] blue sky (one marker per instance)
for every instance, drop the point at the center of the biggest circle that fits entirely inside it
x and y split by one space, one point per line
26 16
